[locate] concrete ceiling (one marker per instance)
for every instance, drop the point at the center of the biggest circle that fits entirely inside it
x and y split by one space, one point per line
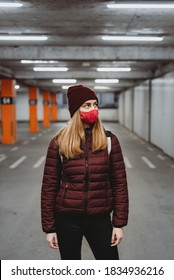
75 29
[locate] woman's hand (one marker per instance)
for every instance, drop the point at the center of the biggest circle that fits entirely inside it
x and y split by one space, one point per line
51 239
117 236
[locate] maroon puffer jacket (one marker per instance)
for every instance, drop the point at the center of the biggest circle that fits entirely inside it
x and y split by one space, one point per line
94 184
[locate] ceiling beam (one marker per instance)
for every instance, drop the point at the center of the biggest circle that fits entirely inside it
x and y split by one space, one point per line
85 74
113 53
6 72
162 70
121 84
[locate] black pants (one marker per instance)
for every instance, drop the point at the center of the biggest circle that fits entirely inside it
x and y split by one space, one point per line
97 231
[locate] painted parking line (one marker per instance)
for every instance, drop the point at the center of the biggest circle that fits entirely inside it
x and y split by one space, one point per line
14 149
150 149
39 162
33 138
16 163
25 142
2 157
127 162
161 157
148 162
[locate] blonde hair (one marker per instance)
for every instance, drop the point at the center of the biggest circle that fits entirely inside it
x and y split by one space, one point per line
70 137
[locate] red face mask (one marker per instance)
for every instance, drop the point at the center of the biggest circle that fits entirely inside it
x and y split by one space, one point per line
89 117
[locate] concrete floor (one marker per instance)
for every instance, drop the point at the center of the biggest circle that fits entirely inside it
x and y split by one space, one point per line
150 232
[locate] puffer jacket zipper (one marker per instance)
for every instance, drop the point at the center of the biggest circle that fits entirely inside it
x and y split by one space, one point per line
86 178
106 195
64 194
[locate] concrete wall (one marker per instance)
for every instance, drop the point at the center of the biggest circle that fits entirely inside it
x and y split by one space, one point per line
128 112
140 111
162 115
22 109
121 110
148 110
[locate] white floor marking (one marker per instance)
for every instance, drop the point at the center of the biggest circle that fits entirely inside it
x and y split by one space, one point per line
150 149
39 162
161 157
127 162
148 162
2 157
16 163
14 149
25 142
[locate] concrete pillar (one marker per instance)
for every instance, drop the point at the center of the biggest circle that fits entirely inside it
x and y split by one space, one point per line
53 107
33 115
46 108
8 111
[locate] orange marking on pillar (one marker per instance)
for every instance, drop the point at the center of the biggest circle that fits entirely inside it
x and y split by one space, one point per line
46 109
53 107
33 116
8 111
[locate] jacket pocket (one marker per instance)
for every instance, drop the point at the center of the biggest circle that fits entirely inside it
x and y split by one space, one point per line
64 195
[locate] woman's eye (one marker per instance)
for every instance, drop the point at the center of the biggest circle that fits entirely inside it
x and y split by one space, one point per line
87 106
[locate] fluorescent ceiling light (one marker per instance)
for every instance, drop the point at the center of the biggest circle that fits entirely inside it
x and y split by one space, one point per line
132 38
11 4
114 69
106 81
62 69
66 86
101 87
22 38
64 81
17 86
38 61
86 64
141 6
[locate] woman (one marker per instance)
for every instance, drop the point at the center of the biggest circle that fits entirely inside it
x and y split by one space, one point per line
83 183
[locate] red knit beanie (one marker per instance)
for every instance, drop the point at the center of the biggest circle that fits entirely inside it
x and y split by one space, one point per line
77 95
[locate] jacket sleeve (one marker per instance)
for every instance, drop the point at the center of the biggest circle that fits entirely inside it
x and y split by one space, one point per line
119 185
50 187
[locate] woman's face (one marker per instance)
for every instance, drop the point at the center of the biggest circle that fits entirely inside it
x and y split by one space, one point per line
89 105
89 112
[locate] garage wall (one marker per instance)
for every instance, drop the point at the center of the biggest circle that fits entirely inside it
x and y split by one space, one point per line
128 113
22 107
141 109
162 115
150 108
121 110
